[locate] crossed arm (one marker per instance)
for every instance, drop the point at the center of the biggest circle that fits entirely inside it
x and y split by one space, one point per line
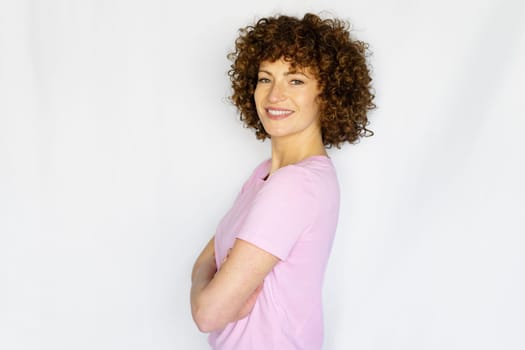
219 297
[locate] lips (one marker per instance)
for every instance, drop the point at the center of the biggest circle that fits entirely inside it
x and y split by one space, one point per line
278 113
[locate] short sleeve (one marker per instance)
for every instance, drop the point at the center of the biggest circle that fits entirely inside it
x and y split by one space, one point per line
282 210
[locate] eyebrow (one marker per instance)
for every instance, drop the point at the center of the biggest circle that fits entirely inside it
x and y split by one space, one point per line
287 73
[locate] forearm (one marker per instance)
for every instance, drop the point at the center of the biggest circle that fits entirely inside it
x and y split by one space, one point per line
228 295
203 268
202 275
208 307
203 272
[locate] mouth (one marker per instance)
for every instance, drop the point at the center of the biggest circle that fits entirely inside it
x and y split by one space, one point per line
278 113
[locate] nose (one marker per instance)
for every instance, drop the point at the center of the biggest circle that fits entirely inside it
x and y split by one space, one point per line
276 93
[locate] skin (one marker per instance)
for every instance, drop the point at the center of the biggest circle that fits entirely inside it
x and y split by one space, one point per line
288 107
298 136
229 294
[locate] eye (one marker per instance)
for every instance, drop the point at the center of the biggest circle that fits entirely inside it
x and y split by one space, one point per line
296 82
263 80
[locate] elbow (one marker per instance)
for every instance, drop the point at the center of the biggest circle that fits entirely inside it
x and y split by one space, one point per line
203 324
206 321
207 314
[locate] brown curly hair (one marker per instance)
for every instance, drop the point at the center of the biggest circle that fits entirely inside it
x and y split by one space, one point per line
325 47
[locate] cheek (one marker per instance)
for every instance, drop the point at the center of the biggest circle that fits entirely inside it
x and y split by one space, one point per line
257 97
313 105
315 112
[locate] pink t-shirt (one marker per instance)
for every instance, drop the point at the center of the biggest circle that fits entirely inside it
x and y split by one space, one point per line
292 215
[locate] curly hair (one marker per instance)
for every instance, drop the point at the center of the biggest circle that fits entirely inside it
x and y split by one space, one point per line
325 47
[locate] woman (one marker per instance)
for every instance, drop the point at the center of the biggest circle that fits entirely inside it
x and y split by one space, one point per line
305 85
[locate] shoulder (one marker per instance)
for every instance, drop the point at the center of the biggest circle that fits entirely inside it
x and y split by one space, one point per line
308 178
257 175
318 167
261 170
314 171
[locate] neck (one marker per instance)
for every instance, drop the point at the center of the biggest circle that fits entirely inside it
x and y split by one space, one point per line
291 150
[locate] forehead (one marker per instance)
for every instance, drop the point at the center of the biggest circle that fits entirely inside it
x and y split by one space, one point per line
284 66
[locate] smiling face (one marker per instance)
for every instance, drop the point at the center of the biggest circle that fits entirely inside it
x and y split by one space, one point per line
287 100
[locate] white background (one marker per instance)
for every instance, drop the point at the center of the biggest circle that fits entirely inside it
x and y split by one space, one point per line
119 153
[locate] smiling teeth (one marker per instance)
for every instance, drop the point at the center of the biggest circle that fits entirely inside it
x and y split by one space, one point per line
278 112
